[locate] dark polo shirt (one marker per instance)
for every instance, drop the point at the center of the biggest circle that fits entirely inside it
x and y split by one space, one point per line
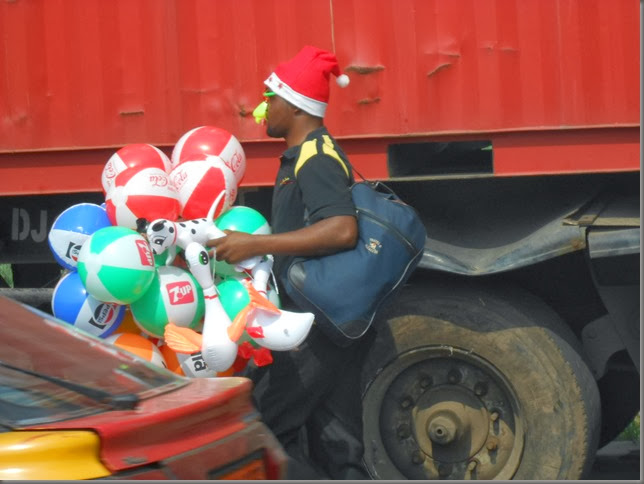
312 184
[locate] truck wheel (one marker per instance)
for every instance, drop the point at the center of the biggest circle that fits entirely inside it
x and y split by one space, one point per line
466 383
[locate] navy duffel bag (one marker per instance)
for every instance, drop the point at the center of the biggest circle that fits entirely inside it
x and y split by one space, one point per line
345 290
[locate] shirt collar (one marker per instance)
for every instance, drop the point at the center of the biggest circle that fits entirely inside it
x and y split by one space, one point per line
293 151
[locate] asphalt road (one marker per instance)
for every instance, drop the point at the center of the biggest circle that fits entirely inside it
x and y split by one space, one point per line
617 461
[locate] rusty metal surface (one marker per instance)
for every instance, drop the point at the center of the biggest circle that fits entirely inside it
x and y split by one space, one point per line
91 75
524 153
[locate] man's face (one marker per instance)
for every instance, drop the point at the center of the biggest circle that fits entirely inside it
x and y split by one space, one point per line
279 116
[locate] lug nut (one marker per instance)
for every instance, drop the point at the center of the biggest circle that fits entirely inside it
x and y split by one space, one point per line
417 458
454 376
492 444
406 402
480 389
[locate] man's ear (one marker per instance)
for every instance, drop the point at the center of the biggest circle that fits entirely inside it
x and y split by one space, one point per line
299 112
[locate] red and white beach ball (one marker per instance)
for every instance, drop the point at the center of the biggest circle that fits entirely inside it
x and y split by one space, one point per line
199 142
138 155
199 183
145 193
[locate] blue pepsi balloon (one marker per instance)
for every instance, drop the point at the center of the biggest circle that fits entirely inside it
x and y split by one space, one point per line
73 304
72 228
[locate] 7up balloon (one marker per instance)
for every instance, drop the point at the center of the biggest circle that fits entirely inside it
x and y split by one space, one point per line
174 296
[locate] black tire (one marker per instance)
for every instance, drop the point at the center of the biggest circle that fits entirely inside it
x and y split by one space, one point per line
467 383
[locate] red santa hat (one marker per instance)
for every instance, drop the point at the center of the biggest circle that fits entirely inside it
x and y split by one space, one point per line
304 80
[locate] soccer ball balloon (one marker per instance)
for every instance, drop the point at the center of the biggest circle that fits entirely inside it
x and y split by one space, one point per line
139 346
199 184
210 140
174 296
116 265
71 303
142 193
133 156
72 228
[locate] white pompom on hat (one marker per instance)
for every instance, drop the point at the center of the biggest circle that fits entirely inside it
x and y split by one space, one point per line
304 80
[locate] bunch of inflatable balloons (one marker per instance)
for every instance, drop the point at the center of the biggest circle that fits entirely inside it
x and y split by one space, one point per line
139 273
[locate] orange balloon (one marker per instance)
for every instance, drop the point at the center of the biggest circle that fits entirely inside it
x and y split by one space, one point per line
171 360
138 345
128 325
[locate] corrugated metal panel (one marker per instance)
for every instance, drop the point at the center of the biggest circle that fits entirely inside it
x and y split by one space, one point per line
91 73
481 65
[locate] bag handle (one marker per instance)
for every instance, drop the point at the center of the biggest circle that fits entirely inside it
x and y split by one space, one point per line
377 184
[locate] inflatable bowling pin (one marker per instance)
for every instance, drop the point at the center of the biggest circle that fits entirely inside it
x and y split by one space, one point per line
218 341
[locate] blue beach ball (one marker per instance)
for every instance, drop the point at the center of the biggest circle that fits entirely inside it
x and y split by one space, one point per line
73 304
72 228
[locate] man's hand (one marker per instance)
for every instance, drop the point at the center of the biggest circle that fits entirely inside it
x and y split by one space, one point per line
234 247
324 237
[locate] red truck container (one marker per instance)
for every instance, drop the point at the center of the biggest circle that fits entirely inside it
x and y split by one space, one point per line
511 125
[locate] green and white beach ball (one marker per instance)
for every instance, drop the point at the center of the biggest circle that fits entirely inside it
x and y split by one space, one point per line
234 296
240 219
243 219
116 265
174 296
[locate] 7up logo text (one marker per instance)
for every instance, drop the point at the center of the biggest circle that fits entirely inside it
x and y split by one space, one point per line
180 293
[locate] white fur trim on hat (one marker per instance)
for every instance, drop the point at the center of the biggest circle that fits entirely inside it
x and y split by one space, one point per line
305 103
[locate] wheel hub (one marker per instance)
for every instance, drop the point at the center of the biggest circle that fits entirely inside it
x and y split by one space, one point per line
450 423
442 416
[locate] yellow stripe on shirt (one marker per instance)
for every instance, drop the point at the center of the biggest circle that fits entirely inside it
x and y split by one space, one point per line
309 149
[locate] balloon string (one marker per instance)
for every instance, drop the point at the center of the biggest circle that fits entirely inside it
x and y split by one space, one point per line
213 207
210 216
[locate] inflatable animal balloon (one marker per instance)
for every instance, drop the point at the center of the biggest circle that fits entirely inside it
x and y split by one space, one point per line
218 341
163 234
279 331
264 322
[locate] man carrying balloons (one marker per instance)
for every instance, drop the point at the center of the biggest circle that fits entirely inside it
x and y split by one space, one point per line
316 386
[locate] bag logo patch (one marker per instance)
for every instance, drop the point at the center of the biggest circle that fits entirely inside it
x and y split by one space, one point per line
373 246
